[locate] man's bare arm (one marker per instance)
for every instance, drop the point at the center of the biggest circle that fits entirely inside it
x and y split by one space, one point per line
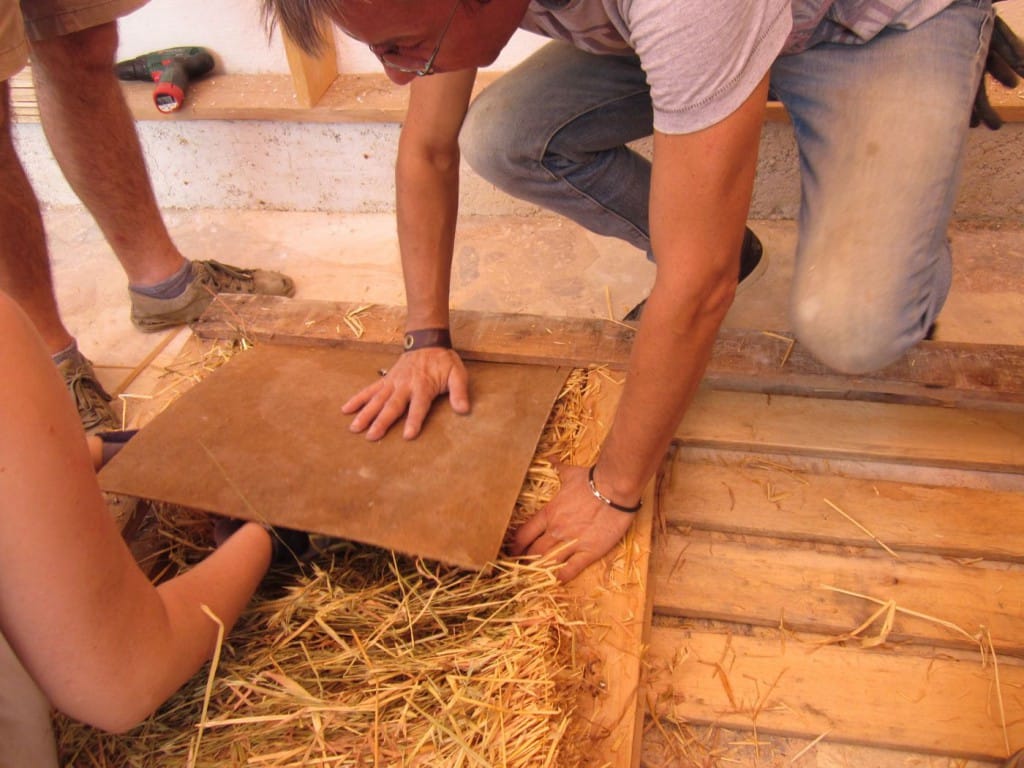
700 194
427 183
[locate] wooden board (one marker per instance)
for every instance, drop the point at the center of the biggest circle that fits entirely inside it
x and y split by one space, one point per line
932 373
774 582
264 438
929 703
938 437
770 499
617 601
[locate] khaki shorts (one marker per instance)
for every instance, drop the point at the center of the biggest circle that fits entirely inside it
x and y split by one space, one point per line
43 19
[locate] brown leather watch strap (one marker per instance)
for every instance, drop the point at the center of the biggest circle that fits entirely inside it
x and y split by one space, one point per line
427 337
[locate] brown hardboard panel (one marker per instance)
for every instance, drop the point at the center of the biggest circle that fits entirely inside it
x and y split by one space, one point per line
264 438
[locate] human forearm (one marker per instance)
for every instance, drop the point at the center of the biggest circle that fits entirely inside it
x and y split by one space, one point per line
427 188
668 360
159 638
427 205
696 232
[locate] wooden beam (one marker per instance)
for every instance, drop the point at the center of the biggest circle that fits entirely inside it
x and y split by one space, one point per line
347 98
932 373
615 595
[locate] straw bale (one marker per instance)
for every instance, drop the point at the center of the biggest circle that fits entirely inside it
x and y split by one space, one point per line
363 657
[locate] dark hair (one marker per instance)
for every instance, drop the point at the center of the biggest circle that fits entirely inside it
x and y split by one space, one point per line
304 21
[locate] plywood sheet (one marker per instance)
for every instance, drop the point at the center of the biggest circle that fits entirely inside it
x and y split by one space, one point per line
264 438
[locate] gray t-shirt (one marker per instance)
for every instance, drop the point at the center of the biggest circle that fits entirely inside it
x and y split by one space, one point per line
704 59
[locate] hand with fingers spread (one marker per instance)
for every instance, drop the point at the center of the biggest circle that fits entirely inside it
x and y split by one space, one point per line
410 386
578 527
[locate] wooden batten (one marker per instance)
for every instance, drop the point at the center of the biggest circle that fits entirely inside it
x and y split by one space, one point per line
312 75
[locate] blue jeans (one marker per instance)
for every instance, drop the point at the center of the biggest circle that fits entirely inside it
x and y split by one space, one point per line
880 128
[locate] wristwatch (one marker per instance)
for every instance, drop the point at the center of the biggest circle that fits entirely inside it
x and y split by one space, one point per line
427 337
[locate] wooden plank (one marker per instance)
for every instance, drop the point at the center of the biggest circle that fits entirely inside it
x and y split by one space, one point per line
940 437
1007 102
773 582
766 499
617 598
932 373
930 703
617 602
24 107
311 75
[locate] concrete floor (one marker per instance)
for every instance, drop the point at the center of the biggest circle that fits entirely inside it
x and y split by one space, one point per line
505 264
540 264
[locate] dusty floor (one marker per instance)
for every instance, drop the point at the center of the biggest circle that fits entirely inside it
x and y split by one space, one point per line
537 265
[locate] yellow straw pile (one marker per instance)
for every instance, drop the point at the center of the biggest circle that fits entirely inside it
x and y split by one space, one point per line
367 658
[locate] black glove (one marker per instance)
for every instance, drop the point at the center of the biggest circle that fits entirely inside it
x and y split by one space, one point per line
1005 62
288 545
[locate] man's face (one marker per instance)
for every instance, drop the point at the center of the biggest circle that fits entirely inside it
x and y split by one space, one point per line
405 34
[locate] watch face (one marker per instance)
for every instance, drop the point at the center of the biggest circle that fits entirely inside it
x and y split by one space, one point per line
409 341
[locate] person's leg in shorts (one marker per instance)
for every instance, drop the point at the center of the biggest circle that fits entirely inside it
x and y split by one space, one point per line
881 128
72 45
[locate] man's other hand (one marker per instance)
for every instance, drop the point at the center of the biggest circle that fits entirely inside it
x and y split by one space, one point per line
575 528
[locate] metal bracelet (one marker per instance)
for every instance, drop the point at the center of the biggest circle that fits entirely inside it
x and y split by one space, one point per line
605 500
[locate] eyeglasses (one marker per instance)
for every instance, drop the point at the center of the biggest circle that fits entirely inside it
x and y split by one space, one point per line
393 60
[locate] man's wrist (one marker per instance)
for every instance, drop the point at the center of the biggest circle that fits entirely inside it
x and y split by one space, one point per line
608 501
425 338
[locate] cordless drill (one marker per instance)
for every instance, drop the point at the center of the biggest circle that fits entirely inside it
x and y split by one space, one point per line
170 69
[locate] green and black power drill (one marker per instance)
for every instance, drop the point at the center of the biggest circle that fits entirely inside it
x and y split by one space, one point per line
170 69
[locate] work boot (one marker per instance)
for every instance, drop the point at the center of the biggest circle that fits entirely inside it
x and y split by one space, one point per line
208 279
90 397
752 263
